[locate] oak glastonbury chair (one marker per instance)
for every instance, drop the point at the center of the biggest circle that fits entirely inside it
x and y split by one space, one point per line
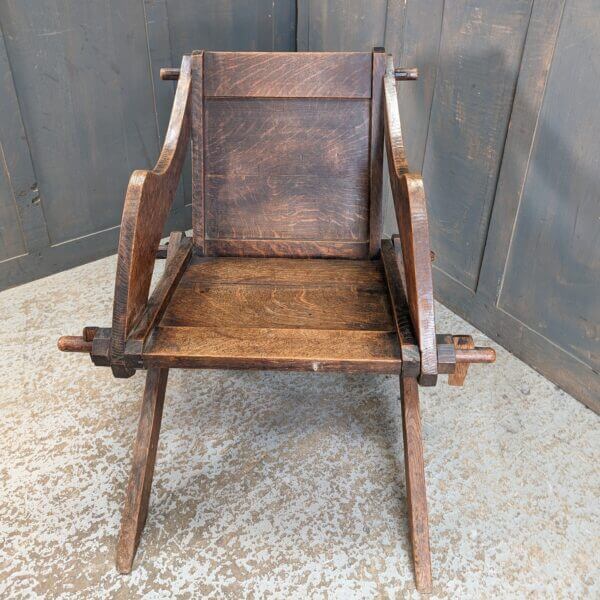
286 268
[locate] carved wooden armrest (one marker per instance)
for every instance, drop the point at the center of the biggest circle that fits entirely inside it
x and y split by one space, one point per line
147 203
411 214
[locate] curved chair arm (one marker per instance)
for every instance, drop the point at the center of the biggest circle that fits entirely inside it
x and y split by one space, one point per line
411 214
147 203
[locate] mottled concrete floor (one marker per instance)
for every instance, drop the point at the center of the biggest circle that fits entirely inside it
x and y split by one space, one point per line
283 485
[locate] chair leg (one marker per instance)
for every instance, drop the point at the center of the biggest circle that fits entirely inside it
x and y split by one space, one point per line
415 483
140 481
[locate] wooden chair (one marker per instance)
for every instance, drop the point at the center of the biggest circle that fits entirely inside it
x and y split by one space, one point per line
286 268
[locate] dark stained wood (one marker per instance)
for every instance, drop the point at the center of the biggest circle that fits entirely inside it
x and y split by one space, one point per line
366 274
282 303
169 74
278 313
198 152
147 202
288 75
406 74
268 348
288 248
176 239
416 494
279 306
411 215
289 169
376 153
178 255
142 470
266 136
305 207
100 353
461 342
411 358
74 343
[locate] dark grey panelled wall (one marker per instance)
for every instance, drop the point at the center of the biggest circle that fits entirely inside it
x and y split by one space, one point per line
81 106
503 123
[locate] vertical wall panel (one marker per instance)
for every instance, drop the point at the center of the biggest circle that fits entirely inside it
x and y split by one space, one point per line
420 43
552 279
11 238
82 106
341 25
479 59
81 75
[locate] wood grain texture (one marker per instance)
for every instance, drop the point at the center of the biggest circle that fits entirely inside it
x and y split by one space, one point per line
297 314
137 495
288 75
178 255
178 27
416 493
376 153
147 202
288 248
287 169
279 307
306 207
462 342
365 274
198 153
282 303
411 215
411 357
268 348
259 136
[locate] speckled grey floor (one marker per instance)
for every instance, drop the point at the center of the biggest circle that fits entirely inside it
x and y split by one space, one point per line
283 485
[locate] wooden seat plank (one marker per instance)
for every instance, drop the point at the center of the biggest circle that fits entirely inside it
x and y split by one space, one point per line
279 306
284 271
305 314
267 348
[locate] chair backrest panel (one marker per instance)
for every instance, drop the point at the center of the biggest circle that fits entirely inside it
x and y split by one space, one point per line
285 165
288 74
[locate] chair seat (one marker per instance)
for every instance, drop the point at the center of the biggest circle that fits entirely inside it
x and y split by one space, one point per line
304 314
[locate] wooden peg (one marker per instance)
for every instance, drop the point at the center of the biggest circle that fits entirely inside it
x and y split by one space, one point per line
461 342
169 74
74 343
406 74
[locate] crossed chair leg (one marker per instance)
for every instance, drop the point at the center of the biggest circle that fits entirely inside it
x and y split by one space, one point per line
416 496
144 457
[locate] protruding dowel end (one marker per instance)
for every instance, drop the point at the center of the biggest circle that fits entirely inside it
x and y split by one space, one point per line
74 343
406 74
169 74
476 355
